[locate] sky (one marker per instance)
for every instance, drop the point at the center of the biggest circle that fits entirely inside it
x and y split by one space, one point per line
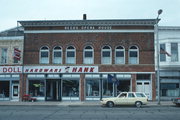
12 11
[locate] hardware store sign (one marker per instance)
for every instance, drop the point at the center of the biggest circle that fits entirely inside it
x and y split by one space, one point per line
49 69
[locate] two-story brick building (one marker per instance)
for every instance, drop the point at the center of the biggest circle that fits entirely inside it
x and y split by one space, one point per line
72 59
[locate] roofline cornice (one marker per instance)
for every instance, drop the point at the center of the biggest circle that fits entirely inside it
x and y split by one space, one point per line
113 22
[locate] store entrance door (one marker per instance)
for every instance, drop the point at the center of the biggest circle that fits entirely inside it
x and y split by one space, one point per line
144 86
53 90
15 92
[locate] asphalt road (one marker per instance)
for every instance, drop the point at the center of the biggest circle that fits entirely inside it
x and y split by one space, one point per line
88 113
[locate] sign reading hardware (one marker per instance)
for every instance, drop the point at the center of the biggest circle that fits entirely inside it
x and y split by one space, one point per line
49 69
60 69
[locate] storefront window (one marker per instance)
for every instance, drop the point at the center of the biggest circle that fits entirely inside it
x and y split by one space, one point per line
107 88
36 88
170 89
70 88
123 86
92 88
4 89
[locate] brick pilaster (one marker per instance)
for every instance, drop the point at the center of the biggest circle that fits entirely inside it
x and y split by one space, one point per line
153 77
22 85
82 84
133 76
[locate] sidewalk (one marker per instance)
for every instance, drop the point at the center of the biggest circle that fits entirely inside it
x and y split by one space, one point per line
73 103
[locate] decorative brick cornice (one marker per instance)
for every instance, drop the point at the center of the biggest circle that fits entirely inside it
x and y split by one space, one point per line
114 22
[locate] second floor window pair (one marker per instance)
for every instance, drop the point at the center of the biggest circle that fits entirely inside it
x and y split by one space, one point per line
8 58
174 57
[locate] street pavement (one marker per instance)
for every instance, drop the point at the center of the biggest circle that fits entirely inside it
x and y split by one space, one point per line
74 103
93 112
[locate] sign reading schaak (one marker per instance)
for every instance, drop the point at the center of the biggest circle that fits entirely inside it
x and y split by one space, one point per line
49 69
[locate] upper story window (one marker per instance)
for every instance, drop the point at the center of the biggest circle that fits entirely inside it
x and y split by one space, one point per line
119 55
88 55
106 55
44 55
174 52
4 57
133 55
162 54
70 55
57 55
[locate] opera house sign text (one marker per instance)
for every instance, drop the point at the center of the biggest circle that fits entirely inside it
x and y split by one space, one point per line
87 27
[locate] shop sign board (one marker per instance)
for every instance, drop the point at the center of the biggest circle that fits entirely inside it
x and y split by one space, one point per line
61 69
49 69
10 69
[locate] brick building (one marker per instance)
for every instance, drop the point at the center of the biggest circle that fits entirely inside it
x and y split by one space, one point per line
88 59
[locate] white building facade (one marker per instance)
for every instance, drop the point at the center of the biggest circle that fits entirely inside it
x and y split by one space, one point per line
169 40
11 44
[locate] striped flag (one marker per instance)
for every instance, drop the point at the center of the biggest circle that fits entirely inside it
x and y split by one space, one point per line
17 54
162 51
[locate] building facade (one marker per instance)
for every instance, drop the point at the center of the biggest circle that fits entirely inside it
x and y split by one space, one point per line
169 39
88 59
11 47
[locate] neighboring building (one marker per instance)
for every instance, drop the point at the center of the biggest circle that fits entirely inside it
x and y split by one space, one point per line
11 48
169 39
72 59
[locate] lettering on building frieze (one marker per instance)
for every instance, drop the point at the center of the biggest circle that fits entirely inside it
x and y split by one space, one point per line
88 27
48 69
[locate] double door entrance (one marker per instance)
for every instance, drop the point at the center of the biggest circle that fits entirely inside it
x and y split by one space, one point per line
144 86
53 90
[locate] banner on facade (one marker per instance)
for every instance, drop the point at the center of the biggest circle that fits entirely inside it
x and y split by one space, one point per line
49 69
17 54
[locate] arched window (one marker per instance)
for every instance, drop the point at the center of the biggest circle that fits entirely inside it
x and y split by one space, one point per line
106 55
88 55
133 55
119 55
44 55
70 55
57 55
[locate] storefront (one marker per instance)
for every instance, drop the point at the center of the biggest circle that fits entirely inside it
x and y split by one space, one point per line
169 84
56 83
9 82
